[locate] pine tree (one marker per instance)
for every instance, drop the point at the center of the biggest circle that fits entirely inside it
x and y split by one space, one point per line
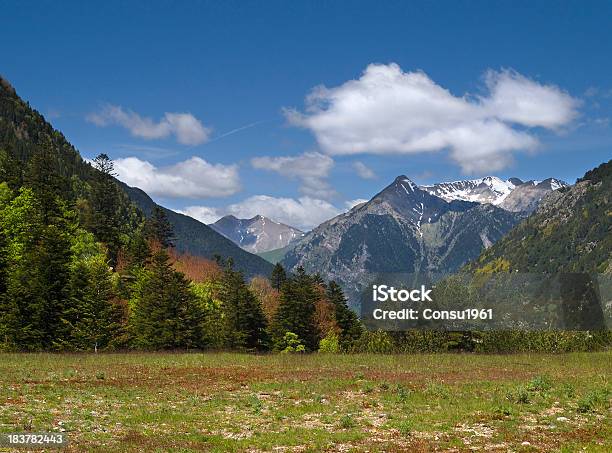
51 190
105 205
10 173
159 229
93 318
5 195
278 276
37 276
243 313
296 312
350 327
165 314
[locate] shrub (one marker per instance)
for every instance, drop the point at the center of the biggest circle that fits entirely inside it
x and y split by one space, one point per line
519 395
291 343
330 344
378 342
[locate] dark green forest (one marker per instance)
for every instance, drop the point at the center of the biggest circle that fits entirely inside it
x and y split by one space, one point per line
84 267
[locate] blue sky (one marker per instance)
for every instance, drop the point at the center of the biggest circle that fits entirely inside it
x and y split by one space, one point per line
204 103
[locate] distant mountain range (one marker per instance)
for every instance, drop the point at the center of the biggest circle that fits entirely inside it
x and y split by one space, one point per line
512 194
410 229
272 240
258 234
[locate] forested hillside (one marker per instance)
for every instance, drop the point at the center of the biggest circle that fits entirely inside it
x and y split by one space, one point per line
194 237
82 267
24 133
571 231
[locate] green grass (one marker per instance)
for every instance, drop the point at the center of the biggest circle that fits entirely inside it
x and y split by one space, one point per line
239 402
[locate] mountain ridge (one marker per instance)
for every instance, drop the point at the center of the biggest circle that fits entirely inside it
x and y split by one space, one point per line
512 194
570 231
403 228
257 234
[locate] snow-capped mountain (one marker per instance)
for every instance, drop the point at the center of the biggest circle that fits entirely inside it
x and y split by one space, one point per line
256 235
401 229
527 196
512 194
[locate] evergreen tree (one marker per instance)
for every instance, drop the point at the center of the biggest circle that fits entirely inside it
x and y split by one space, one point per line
50 189
106 207
350 327
92 319
296 311
5 196
165 314
159 229
10 173
278 277
37 276
243 313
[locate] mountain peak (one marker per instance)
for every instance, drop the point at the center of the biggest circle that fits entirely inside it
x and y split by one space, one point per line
257 234
405 182
403 178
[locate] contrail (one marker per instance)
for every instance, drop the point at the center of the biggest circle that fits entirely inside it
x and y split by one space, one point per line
233 131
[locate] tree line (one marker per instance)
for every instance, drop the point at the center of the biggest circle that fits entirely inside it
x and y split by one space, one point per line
81 270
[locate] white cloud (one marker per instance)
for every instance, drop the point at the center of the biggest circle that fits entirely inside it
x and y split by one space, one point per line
192 178
187 129
204 214
304 212
350 204
387 110
363 171
516 99
310 168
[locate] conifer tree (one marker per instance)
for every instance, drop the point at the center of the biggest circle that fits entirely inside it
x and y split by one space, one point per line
159 229
297 310
42 175
105 205
278 276
5 194
92 317
165 314
243 313
10 172
37 276
350 327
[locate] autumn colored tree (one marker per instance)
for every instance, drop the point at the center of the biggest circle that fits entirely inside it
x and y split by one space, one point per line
268 297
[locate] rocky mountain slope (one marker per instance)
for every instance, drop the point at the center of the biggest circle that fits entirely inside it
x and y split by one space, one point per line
571 231
526 196
513 194
258 234
402 229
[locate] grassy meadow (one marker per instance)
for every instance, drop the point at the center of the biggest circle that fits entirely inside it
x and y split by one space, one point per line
317 402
